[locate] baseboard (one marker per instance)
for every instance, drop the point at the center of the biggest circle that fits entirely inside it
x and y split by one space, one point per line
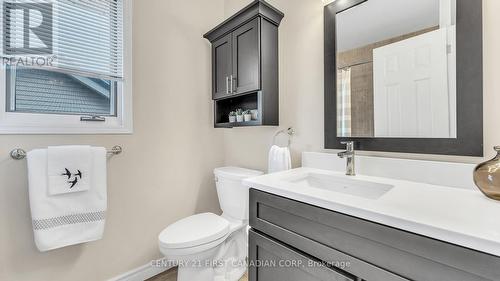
140 274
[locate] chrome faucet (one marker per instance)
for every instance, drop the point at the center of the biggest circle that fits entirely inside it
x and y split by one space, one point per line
349 155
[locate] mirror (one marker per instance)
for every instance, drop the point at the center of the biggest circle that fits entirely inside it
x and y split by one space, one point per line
396 67
404 76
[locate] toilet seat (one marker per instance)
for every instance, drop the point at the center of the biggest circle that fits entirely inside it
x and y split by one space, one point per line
179 253
198 230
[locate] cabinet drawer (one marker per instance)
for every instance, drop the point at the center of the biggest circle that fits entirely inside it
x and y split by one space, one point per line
274 261
376 252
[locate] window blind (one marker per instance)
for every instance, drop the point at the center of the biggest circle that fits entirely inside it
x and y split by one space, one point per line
86 36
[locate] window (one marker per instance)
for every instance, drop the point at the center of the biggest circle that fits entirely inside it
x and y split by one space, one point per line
42 91
73 71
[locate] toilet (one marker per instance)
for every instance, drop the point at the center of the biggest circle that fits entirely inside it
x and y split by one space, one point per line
207 246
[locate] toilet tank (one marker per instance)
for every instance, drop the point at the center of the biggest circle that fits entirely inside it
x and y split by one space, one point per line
233 195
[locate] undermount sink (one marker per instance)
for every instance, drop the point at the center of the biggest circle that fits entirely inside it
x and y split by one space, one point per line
360 188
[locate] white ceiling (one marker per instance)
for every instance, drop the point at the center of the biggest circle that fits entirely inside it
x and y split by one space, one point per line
377 20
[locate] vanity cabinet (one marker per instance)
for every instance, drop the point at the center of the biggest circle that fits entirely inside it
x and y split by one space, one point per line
245 65
282 263
349 248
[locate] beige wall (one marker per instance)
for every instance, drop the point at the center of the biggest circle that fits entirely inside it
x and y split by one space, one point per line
165 172
301 87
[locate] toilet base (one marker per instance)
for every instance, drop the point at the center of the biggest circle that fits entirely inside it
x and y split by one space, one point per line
226 263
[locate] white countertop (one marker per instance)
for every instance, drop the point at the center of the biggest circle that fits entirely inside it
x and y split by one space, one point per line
458 216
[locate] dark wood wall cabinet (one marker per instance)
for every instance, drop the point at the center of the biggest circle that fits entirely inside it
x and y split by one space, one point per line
290 240
245 65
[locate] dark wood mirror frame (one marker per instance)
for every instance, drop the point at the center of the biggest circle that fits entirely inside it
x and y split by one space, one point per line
469 141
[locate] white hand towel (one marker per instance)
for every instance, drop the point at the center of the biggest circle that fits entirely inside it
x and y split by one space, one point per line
68 169
279 159
70 218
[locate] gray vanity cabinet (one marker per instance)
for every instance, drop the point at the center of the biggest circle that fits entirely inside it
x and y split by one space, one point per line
350 248
245 65
282 263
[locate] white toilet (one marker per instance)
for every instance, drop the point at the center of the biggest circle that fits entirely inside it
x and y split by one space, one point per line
209 247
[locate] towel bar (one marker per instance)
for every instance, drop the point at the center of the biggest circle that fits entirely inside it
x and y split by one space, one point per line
290 132
20 154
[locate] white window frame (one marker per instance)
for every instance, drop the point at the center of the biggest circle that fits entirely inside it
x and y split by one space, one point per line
36 123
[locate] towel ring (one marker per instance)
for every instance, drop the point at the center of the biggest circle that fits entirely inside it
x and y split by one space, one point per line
289 132
20 154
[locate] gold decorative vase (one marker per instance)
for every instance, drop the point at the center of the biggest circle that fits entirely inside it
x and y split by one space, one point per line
487 176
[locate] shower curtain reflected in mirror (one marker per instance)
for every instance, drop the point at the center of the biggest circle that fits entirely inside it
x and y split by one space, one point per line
344 102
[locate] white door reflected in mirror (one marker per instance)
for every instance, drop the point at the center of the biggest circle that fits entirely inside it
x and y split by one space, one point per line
396 73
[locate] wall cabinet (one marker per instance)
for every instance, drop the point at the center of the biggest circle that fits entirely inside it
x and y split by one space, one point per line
222 56
349 248
245 65
246 58
236 62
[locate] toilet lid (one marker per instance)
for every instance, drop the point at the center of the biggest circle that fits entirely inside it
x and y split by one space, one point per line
236 173
194 231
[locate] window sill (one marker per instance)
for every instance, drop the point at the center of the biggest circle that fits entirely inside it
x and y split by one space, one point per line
44 124
51 131
64 131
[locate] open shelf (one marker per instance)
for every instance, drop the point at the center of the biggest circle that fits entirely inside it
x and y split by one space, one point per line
223 107
238 124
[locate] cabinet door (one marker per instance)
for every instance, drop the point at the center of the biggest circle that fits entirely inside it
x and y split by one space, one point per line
222 67
246 58
274 261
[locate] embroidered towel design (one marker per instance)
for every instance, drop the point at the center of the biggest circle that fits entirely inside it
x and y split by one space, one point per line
73 182
67 173
68 220
68 169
